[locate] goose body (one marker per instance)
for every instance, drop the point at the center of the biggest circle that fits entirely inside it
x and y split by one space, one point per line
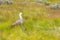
20 21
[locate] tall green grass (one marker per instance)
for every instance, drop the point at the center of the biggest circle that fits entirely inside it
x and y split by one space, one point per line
36 25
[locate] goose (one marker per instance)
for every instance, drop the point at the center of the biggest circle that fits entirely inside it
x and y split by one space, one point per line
20 21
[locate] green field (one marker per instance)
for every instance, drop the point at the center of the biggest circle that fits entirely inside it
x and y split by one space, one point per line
40 22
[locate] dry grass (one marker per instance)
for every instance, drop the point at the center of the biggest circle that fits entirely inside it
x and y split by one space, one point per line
40 22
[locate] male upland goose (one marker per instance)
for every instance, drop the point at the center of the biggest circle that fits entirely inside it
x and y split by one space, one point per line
20 21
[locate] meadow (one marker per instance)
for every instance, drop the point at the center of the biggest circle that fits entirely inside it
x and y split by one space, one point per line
40 22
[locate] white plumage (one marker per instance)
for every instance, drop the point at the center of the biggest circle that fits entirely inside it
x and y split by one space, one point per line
20 21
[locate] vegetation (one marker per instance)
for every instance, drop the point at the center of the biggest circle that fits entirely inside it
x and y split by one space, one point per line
40 22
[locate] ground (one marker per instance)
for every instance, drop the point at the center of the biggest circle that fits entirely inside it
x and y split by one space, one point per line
40 22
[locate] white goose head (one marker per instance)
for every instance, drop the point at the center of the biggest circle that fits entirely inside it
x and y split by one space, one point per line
20 15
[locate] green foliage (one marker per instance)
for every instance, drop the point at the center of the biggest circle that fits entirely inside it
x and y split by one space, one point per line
37 24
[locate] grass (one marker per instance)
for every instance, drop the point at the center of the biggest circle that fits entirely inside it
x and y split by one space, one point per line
38 25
